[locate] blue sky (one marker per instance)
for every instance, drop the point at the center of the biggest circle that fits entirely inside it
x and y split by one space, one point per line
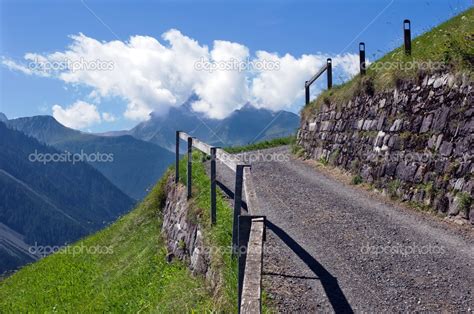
321 28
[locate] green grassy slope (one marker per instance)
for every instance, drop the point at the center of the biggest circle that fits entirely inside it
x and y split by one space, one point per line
262 145
449 46
135 275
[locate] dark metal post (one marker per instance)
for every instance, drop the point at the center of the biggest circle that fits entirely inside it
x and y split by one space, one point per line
239 177
306 90
245 223
407 36
329 69
190 167
177 158
362 58
213 186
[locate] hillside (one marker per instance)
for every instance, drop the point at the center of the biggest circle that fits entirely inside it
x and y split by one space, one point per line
136 164
447 47
131 274
49 203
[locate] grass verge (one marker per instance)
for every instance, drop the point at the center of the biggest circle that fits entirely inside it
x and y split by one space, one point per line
218 236
262 145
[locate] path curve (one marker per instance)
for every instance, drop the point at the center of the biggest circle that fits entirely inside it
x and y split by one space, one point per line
332 247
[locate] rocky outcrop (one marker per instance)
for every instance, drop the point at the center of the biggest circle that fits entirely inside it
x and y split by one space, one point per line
415 142
183 234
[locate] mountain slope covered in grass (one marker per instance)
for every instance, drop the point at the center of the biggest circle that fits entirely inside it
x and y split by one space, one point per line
124 267
136 164
49 203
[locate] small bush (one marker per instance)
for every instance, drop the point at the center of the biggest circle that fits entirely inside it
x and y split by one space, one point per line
355 164
297 149
323 161
334 155
393 187
465 201
356 180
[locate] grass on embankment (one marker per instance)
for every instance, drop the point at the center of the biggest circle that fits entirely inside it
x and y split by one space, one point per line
135 276
262 145
448 46
219 236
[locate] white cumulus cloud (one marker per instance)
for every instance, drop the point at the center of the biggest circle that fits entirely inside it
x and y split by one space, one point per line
78 115
152 74
108 117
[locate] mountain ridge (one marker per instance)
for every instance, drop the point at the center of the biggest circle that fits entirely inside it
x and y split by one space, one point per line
49 203
243 126
126 150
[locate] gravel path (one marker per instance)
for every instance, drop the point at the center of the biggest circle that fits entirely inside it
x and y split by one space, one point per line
332 247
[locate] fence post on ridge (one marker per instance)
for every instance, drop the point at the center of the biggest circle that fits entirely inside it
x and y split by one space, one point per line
177 158
362 58
306 90
329 69
407 36
213 185
190 167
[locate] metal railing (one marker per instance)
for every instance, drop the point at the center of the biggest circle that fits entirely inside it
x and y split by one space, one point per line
362 61
326 68
248 231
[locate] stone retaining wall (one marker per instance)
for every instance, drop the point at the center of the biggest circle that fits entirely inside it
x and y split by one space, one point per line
415 142
184 236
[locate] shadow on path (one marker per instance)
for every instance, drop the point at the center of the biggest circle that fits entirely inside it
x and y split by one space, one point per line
229 193
334 293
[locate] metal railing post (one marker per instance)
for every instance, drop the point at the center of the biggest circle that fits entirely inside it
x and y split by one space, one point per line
306 90
190 167
213 186
329 69
177 158
407 36
362 58
239 175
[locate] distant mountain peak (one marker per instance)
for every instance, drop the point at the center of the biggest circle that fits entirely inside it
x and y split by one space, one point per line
44 128
42 119
249 123
248 106
3 117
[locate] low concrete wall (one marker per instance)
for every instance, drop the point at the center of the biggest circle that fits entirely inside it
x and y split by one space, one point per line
252 287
